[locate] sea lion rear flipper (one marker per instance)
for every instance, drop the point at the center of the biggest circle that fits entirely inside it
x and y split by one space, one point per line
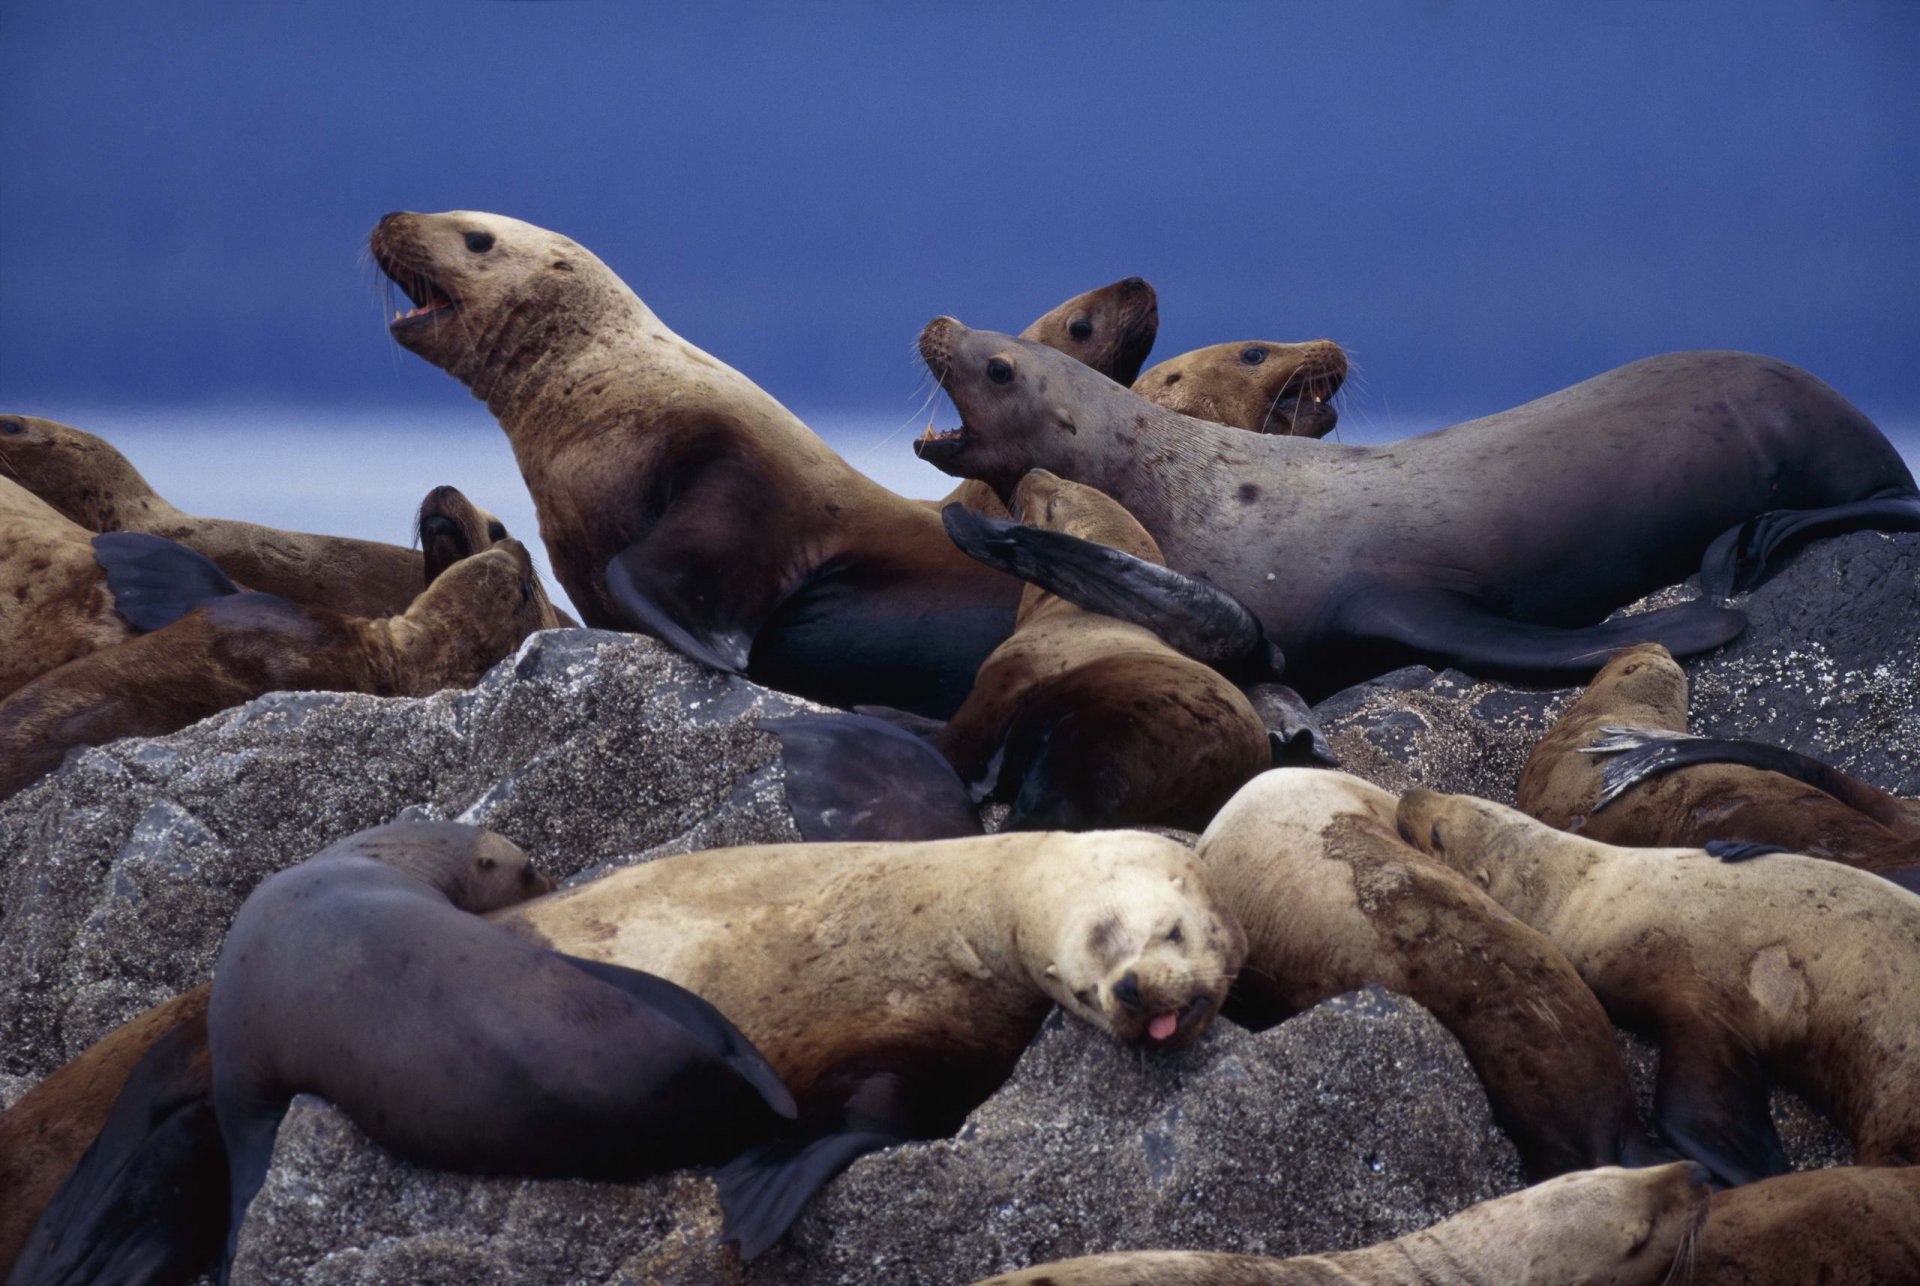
1641 754
156 581
764 1189
1447 629
700 1018
1739 557
1293 732
1201 620
851 777
1711 1099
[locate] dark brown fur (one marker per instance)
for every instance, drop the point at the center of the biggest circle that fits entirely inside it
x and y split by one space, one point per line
1844 1226
54 602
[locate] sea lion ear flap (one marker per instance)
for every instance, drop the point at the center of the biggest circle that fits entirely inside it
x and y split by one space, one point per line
852 778
1201 620
155 581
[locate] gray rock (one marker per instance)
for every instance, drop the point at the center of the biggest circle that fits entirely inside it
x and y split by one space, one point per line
1357 1121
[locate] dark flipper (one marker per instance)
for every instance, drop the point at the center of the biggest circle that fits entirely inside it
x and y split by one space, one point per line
851 777
1199 619
764 1189
1292 730
1741 556
148 1201
156 581
905 720
1446 629
701 1019
1737 850
1711 1100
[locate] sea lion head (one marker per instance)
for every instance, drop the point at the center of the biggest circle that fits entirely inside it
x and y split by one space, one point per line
1476 837
451 527
1136 943
478 870
473 614
1053 503
1643 678
80 475
1607 1225
1263 387
1110 329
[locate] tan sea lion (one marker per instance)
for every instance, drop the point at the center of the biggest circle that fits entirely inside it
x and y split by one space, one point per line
1782 966
86 479
675 496
451 527
1673 790
1487 545
1082 720
1332 900
1608 1227
895 985
54 602
1255 385
1847 1225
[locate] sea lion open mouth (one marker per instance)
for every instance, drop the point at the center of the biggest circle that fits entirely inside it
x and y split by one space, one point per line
426 295
936 445
1305 405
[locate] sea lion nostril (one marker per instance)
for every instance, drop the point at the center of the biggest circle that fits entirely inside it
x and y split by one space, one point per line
1127 991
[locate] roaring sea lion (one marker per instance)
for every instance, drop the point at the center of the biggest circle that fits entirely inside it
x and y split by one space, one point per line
1670 790
451 527
1332 900
1255 385
1081 720
90 482
1493 545
1784 966
486 1053
675 496
894 986
55 605
1847 1225
1607 1227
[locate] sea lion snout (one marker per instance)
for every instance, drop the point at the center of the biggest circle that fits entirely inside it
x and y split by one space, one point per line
936 345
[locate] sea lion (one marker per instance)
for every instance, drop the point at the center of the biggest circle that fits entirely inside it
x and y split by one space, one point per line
86 479
1782 966
54 602
1081 720
1493 545
1847 1225
1331 899
675 496
896 985
1669 790
1607 1227
231 647
1255 385
451 527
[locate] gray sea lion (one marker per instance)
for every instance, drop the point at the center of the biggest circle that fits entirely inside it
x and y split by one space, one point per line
55 605
1781 966
1607 1227
1494 545
1256 385
86 479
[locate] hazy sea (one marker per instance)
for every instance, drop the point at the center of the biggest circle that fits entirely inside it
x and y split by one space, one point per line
354 472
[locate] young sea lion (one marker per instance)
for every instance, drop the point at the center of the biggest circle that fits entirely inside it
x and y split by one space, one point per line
55 605
1494 545
1332 900
90 482
675 496
1255 385
1082 720
1682 792
1608 1227
1847 1225
451 527
1787 966
894 986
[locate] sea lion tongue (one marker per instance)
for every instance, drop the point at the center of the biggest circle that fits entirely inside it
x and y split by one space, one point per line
1162 1025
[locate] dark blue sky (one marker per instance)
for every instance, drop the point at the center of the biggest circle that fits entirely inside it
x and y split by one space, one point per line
1483 201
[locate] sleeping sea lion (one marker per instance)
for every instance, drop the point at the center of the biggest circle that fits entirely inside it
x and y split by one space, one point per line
1783 966
1255 385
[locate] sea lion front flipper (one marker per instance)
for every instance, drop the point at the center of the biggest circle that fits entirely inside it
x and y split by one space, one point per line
851 777
764 1189
1641 754
701 1019
1739 557
156 581
905 720
1711 1099
1735 850
1293 732
1449 630
1199 619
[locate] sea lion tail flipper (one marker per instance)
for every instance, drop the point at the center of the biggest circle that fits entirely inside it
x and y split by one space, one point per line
156 581
1739 558
1736 850
1199 619
851 777
699 1018
1711 1099
764 1189
1292 731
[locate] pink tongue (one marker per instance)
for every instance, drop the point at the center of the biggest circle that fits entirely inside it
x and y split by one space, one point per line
1162 1027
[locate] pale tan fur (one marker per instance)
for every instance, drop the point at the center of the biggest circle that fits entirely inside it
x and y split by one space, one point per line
1215 383
54 602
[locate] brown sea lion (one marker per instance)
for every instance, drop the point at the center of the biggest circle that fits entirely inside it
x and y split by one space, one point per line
90 482
451 527
895 985
1332 900
1608 1227
1781 966
232 647
1081 720
1494 545
1846 1225
1255 385
55 605
675 496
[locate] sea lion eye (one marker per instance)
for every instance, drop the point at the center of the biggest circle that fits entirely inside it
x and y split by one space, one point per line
1000 371
1080 328
485 864
1174 934
1253 356
11 426
496 530
479 242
